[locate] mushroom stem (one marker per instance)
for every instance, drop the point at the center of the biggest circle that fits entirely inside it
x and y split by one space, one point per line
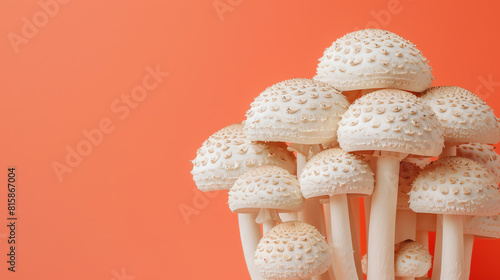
328 221
354 219
250 237
368 201
268 218
405 278
422 237
452 261
450 150
468 245
406 225
383 217
344 266
436 266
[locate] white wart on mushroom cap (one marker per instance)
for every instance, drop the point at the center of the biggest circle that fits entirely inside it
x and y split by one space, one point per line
484 154
266 187
483 226
292 250
335 171
464 116
374 58
301 111
411 259
408 172
455 185
227 154
390 120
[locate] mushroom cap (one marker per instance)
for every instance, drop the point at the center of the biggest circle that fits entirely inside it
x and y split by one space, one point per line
267 187
301 111
335 171
227 154
455 185
374 58
411 259
483 226
419 161
484 154
390 120
292 250
464 116
408 172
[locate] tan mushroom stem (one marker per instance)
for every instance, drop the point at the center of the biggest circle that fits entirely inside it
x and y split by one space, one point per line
250 235
468 245
383 217
344 266
268 218
354 219
425 223
438 248
328 224
452 260
449 150
367 201
422 237
406 225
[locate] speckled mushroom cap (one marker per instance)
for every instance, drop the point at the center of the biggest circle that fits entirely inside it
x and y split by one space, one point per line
408 172
374 58
301 111
335 171
464 116
411 259
484 154
227 154
455 185
292 251
266 187
483 226
390 120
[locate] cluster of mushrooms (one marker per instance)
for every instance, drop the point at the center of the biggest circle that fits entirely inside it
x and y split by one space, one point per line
368 125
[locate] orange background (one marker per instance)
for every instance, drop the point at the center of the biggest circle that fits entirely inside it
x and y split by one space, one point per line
116 214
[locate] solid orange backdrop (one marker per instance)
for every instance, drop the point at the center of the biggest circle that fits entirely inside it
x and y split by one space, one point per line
101 135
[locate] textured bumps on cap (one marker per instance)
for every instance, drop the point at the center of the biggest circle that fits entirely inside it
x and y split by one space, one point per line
483 226
374 58
390 120
292 250
484 154
302 111
411 259
408 172
227 154
455 185
335 171
267 187
464 116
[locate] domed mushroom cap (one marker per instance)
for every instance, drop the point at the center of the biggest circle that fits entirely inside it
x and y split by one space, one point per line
455 185
292 250
268 187
484 154
411 259
227 154
483 226
408 172
464 116
374 58
302 111
335 171
390 120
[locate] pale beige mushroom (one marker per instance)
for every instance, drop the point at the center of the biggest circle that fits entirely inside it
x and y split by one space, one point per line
484 154
393 123
454 187
336 173
292 251
406 219
267 190
370 59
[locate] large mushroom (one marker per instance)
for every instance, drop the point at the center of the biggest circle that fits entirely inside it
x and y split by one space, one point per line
292 251
225 156
267 190
454 187
393 124
484 154
336 173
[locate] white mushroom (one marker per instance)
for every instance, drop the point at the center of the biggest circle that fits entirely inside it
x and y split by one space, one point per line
484 154
406 219
336 173
392 123
292 250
